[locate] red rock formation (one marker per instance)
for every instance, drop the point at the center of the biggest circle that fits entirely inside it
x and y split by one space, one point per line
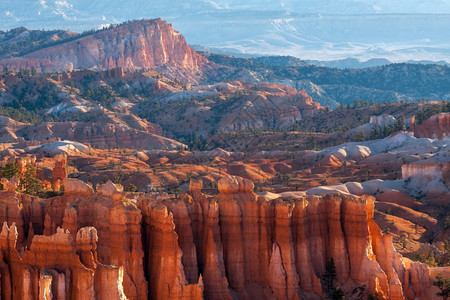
59 171
142 44
51 267
10 185
234 245
437 126
76 187
166 272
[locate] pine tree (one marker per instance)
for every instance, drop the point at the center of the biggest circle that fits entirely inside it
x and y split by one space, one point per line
360 136
444 285
375 133
30 183
329 276
9 171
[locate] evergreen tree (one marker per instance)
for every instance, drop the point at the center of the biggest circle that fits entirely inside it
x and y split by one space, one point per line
375 133
360 136
444 285
329 276
420 117
399 124
338 294
30 183
9 171
386 131
131 188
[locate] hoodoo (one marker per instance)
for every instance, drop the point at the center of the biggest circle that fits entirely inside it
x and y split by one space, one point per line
232 245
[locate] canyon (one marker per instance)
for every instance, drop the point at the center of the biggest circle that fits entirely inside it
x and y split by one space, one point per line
133 167
234 245
233 240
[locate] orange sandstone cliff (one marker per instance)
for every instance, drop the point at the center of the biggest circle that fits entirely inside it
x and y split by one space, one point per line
235 245
150 44
141 44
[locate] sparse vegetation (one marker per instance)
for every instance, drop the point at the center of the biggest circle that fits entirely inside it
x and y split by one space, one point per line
444 286
333 292
9 170
131 188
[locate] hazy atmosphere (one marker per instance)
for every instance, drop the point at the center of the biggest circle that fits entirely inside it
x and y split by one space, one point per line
319 30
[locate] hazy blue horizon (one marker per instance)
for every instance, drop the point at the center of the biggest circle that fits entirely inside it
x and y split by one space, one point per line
323 30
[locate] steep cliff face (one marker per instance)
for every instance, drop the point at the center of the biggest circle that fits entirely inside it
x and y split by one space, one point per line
150 44
116 225
56 266
235 245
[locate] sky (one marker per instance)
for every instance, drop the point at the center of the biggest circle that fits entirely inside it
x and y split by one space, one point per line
313 29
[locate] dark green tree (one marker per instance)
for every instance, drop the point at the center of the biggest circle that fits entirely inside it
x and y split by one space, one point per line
399 124
420 117
329 276
360 136
386 131
30 183
131 188
338 294
9 171
444 285
375 133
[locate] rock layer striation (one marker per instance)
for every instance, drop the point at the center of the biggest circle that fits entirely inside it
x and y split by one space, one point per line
234 245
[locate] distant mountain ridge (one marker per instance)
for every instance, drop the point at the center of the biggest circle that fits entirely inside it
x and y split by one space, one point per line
155 45
292 61
314 30
348 63
331 86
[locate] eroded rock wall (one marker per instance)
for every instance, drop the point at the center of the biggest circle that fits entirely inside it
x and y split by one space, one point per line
234 245
141 44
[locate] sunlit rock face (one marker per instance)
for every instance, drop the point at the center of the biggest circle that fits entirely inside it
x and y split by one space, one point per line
150 44
236 244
